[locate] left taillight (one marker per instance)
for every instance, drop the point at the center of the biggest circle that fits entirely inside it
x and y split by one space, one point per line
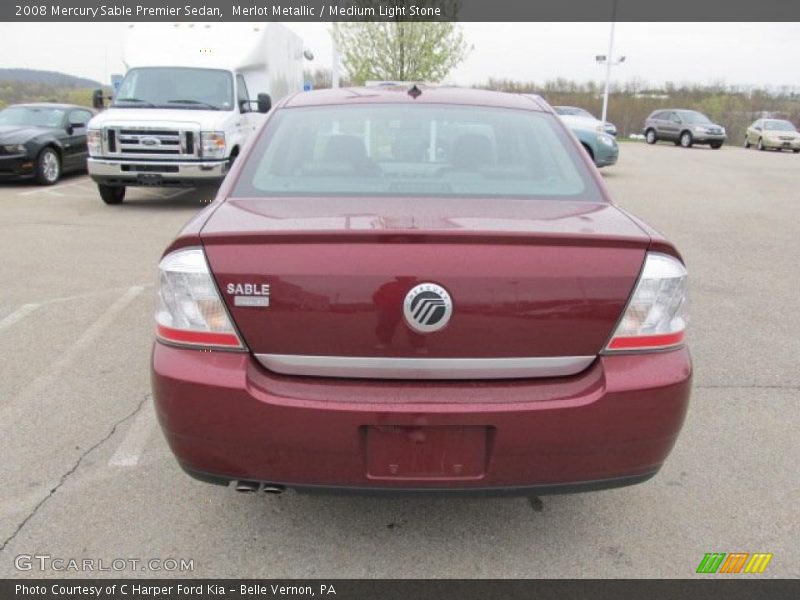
656 315
189 309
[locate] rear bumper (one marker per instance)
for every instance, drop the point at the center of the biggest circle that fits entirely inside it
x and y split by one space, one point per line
227 418
156 173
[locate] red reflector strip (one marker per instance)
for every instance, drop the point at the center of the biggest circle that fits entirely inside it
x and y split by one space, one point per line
641 342
198 338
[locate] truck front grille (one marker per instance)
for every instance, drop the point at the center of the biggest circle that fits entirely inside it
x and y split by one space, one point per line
150 142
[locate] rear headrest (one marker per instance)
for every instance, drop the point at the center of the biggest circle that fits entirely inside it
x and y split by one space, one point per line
345 148
472 150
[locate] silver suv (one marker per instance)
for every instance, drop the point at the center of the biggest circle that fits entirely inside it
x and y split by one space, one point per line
684 128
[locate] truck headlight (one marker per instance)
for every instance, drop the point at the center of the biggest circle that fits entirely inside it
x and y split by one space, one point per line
212 144
94 141
14 149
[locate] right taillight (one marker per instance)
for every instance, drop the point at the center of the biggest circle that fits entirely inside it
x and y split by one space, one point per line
655 317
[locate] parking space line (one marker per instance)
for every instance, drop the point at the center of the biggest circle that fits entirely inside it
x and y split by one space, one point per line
53 188
25 309
133 444
92 294
55 370
16 316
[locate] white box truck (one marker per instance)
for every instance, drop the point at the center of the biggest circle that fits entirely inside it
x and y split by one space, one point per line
192 96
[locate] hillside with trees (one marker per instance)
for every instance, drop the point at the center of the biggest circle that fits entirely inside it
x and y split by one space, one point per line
29 85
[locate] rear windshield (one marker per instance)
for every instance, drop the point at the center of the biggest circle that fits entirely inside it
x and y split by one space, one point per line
422 150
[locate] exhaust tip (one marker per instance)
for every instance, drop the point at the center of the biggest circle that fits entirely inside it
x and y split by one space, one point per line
245 486
274 489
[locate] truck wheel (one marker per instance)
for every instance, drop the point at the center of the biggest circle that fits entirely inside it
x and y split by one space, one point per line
48 167
650 136
111 194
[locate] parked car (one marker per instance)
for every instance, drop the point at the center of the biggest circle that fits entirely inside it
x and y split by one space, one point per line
42 141
601 147
480 317
775 134
683 128
574 111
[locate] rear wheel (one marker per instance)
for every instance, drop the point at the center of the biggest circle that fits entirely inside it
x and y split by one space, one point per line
796 150
650 136
686 140
111 194
48 167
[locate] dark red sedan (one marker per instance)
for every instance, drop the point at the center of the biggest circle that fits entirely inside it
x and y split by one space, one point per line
429 291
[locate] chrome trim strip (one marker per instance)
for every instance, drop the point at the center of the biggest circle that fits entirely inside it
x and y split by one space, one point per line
424 368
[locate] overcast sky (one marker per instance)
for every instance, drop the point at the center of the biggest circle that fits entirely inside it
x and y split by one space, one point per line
736 53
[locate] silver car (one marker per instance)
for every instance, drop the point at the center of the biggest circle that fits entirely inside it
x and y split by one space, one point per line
683 128
773 133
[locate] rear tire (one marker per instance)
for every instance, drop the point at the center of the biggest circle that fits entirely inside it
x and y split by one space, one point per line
48 167
650 136
686 140
796 151
111 194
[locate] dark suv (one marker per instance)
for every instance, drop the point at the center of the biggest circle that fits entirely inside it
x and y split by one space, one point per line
684 128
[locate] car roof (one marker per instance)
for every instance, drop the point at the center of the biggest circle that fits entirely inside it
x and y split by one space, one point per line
49 105
399 94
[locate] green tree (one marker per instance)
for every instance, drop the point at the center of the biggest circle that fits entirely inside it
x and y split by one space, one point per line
398 50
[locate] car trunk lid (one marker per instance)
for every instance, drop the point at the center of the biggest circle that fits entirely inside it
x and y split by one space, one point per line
527 278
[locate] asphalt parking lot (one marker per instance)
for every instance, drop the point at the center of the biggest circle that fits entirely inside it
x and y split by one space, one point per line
86 472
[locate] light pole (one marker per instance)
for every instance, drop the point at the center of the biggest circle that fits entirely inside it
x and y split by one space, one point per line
608 60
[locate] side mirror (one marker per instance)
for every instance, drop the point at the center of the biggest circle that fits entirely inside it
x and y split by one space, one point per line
97 99
73 126
264 103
